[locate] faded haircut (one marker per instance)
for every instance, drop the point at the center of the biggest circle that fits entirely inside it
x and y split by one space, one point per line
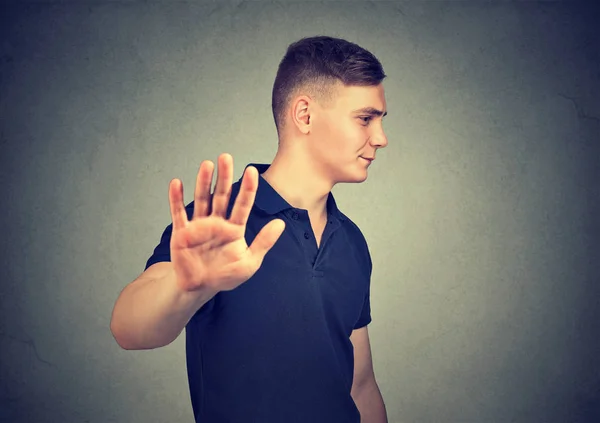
314 65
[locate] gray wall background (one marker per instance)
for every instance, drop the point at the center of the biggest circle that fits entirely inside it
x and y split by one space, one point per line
481 214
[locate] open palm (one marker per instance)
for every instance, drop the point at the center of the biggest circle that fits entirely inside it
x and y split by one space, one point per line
210 251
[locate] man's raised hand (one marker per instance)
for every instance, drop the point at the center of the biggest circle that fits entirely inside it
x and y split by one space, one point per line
210 252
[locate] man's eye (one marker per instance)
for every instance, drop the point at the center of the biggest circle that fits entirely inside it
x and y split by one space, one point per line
365 119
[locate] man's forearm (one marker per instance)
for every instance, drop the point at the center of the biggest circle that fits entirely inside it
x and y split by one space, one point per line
369 401
150 313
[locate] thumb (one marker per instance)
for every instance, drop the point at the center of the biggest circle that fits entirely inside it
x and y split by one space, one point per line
266 238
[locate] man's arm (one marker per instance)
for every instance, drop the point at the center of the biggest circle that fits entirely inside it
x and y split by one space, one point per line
208 253
151 311
365 392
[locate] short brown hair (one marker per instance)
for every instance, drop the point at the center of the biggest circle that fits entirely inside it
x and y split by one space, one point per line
315 64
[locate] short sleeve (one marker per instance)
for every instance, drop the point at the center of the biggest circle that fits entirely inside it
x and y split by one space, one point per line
365 314
162 252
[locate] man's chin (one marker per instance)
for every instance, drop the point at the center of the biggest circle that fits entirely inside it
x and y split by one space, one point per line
354 179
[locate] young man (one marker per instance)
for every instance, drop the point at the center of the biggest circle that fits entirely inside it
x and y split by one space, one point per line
275 332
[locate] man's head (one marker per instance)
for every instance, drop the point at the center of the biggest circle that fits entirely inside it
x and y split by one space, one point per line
321 86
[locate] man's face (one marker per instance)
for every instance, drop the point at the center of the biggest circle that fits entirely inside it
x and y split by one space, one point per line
344 133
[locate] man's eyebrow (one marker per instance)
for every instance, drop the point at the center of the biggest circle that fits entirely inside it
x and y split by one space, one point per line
371 111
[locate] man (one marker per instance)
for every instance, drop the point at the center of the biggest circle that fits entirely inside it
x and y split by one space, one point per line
275 332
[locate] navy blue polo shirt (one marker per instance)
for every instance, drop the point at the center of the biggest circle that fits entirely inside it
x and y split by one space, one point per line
276 349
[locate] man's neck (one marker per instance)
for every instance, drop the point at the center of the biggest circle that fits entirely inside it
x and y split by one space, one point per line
299 184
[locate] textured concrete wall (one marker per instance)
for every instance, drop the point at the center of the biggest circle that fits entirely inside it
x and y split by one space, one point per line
481 214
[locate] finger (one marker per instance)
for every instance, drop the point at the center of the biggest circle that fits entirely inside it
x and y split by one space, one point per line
223 186
202 191
178 214
245 199
266 238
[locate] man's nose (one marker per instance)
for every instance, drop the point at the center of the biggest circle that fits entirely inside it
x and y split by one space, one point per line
380 139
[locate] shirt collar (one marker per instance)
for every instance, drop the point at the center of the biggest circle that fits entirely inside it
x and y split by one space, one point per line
269 200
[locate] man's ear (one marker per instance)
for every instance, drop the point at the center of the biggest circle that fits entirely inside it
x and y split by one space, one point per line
301 114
